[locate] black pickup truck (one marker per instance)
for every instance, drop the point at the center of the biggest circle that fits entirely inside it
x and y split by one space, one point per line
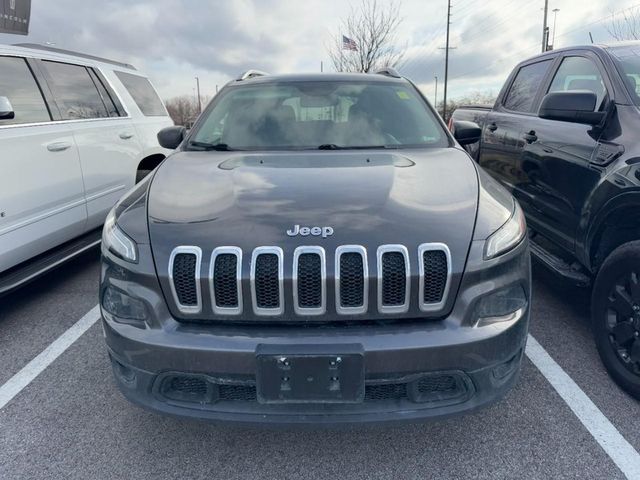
563 137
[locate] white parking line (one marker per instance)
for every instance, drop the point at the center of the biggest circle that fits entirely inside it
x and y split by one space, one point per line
36 366
606 434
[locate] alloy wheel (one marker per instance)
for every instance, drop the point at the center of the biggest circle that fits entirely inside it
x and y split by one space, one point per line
623 320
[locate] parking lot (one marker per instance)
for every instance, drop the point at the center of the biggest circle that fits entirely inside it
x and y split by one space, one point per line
71 422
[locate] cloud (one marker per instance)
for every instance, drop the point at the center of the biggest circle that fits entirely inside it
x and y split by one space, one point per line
175 40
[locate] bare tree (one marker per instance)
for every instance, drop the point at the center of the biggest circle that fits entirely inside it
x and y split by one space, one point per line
373 28
184 109
625 25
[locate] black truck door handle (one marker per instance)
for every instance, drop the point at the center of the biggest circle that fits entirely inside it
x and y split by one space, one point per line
530 137
492 127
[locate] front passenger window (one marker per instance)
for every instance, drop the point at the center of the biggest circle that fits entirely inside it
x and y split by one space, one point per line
579 74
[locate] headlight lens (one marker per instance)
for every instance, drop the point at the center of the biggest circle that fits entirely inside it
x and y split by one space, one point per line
507 236
122 305
500 305
117 241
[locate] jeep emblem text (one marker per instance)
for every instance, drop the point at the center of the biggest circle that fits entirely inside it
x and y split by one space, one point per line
315 231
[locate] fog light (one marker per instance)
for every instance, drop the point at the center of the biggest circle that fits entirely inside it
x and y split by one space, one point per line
122 305
501 305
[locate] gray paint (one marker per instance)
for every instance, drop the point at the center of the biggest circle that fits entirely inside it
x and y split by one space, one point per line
369 198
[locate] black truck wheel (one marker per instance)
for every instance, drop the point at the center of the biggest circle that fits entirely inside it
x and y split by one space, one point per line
615 310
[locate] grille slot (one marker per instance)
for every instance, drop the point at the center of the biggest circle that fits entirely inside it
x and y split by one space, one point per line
309 281
352 279
225 276
266 281
393 279
184 276
435 273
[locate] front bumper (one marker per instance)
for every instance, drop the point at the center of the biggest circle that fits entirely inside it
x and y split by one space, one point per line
413 369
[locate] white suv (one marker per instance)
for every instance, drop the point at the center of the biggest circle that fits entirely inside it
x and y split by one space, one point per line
76 132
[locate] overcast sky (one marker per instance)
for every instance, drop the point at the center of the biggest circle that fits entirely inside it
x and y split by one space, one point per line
175 40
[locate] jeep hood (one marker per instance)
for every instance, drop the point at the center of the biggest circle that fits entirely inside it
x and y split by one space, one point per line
369 198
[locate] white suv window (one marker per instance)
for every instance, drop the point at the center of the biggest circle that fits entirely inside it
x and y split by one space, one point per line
76 95
19 86
143 94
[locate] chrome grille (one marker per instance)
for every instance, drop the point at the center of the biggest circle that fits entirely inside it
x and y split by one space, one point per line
266 281
394 279
225 276
352 279
435 275
309 280
184 276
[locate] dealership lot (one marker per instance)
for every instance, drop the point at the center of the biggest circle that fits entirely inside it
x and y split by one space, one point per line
71 421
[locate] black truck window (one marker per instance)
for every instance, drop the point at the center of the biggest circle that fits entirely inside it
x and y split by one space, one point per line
525 86
578 73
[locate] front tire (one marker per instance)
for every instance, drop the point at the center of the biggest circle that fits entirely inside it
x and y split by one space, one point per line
615 310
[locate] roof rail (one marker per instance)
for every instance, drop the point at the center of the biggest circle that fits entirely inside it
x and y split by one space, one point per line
389 72
250 74
47 48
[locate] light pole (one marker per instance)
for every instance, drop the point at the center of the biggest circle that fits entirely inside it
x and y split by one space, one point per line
198 88
435 99
555 15
446 63
545 29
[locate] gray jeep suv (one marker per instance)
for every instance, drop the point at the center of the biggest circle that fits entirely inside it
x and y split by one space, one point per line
318 249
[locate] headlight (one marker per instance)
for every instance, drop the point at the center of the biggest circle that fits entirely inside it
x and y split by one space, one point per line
121 305
500 305
116 241
507 236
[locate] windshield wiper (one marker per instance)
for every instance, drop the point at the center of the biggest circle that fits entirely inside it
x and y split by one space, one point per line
333 146
220 147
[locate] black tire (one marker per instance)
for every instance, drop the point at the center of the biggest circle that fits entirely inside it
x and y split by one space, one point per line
140 174
615 312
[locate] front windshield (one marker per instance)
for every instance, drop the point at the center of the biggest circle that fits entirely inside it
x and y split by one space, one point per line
325 114
628 60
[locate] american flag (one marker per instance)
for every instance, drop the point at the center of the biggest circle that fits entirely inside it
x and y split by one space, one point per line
349 44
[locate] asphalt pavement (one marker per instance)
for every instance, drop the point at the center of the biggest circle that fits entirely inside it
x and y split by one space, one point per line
71 422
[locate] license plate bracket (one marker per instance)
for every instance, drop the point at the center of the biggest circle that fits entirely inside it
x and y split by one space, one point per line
313 377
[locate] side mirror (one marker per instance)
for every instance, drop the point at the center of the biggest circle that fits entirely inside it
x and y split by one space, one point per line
466 132
574 107
6 110
171 137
